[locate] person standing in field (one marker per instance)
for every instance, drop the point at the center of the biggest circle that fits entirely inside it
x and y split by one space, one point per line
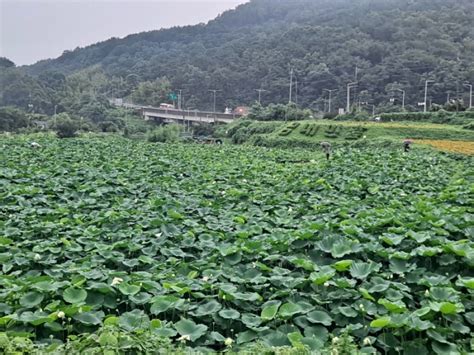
327 149
407 145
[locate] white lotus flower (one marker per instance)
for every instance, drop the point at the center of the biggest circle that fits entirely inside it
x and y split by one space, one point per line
205 278
228 342
326 284
427 293
61 314
367 341
184 338
37 257
117 281
335 340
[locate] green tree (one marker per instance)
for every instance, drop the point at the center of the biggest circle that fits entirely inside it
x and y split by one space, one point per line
12 119
64 126
152 93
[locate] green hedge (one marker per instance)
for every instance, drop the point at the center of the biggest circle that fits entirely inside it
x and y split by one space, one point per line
435 117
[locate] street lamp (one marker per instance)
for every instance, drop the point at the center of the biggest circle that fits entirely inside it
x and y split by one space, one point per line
214 92
403 98
426 94
260 95
470 94
180 98
349 87
330 97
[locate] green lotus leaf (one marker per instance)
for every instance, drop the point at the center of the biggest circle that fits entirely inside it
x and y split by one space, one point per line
270 310
162 304
74 295
445 348
208 308
295 339
381 322
140 298
393 306
342 265
127 289
324 274
466 282
319 317
448 308
89 318
361 270
134 320
341 248
246 337
289 309
31 299
251 320
229 314
348 312
420 237
188 328
314 344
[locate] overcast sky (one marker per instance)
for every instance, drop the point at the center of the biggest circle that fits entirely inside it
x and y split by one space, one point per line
31 30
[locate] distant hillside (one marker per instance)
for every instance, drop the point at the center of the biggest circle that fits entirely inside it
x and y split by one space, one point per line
393 44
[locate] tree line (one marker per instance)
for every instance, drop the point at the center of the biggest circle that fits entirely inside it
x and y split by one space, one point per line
383 46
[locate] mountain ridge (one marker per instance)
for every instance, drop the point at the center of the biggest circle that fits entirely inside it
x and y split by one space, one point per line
392 43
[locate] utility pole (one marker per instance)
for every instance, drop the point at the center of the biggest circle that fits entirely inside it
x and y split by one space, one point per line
296 90
403 98
470 94
426 94
260 95
356 73
330 97
447 98
180 100
349 86
214 91
291 85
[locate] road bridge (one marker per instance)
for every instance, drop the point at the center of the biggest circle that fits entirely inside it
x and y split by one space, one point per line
182 116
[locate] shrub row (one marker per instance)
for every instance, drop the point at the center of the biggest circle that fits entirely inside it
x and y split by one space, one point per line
288 129
355 133
310 130
436 117
332 131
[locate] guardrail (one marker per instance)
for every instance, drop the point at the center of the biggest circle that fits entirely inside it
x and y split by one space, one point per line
190 113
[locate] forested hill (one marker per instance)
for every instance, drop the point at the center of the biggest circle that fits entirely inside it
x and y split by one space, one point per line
393 43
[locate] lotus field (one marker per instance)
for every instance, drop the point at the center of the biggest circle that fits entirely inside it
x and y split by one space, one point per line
219 247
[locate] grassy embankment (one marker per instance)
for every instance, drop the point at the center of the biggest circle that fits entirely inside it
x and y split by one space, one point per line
311 133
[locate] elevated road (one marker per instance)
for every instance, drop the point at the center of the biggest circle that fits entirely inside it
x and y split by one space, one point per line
182 116
187 115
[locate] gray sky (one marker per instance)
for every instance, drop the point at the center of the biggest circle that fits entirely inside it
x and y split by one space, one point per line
31 30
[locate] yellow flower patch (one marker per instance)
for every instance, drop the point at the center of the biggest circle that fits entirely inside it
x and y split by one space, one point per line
462 147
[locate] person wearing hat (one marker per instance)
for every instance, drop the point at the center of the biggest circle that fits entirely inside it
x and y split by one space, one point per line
407 145
327 149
